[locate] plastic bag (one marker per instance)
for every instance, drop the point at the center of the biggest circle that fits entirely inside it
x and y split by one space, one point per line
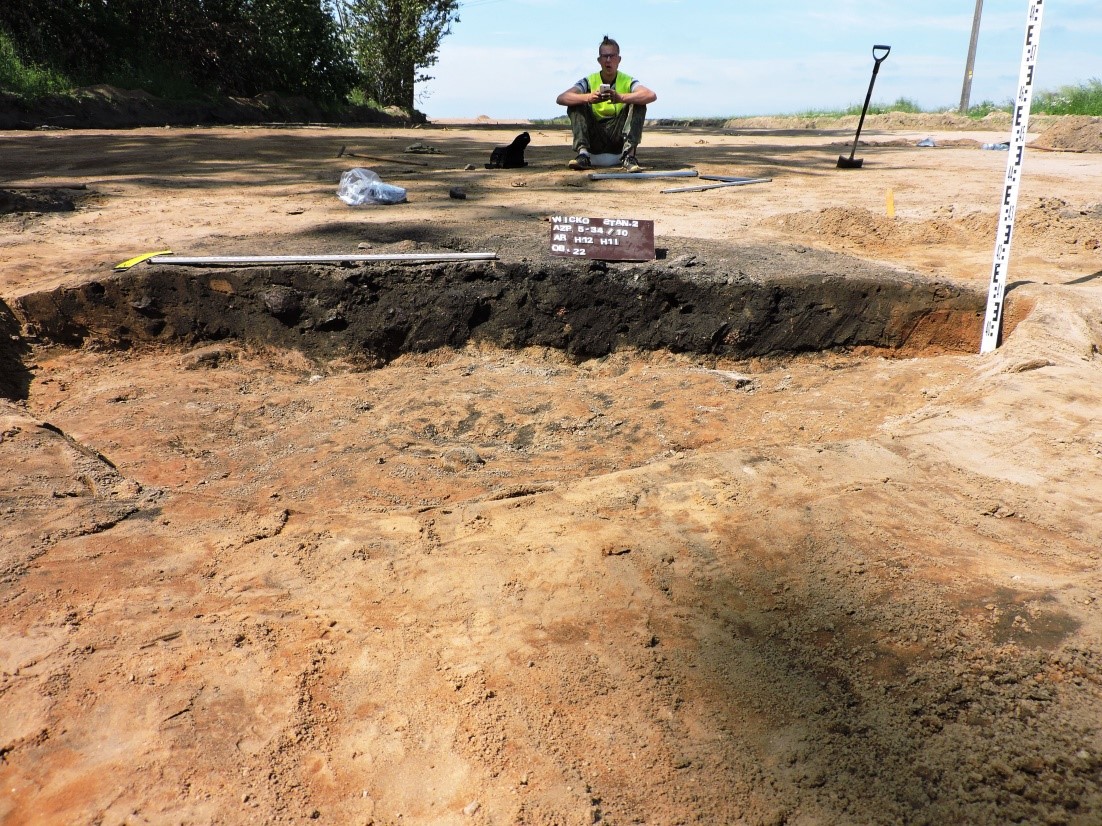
363 186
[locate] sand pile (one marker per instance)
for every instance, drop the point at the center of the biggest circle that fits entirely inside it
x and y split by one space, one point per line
1051 219
1074 133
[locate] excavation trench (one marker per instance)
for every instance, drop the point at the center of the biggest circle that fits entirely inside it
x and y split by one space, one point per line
373 314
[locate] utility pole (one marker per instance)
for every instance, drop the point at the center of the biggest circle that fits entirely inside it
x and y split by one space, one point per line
966 89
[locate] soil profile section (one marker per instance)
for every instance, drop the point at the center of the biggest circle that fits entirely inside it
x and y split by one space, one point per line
377 313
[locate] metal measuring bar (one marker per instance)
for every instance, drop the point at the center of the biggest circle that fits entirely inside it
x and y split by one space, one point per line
412 257
992 323
702 187
677 173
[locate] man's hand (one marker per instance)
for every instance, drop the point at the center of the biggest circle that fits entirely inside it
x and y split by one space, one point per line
572 97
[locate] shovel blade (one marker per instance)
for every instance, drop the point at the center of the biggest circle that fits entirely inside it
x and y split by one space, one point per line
849 163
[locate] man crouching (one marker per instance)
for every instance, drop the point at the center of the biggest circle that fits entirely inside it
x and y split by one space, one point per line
607 110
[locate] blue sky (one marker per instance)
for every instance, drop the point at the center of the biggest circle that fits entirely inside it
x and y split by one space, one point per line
510 58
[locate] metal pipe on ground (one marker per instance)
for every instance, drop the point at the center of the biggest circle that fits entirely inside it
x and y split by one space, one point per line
722 185
240 260
678 173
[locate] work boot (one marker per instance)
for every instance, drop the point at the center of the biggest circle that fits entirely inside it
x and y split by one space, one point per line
581 163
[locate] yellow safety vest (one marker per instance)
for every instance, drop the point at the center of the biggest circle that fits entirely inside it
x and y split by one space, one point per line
608 109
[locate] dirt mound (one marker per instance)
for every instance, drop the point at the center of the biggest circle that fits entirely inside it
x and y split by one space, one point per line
1052 220
114 93
838 225
935 121
942 143
13 201
1072 134
104 106
911 121
888 120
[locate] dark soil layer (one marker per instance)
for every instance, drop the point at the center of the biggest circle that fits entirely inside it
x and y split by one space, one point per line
377 313
46 199
15 378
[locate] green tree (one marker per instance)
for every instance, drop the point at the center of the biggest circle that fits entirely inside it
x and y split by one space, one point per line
394 41
229 47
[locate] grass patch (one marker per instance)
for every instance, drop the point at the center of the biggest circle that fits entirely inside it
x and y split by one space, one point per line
561 120
359 98
900 105
1081 99
1078 99
984 108
25 80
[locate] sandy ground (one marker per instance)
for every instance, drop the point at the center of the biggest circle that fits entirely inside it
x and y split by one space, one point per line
486 586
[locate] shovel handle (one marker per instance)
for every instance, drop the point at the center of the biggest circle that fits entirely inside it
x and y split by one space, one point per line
881 58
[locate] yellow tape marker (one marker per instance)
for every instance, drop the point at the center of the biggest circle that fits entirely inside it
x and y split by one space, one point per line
145 256
891 204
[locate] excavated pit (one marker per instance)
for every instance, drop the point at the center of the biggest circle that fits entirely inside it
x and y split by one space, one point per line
821 585
373 314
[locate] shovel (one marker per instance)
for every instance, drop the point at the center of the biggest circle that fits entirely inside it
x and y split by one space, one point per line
850 163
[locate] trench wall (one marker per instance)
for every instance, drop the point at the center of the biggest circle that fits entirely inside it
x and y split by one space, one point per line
379 312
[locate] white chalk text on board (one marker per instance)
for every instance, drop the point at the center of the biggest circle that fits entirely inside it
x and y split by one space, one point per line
604 239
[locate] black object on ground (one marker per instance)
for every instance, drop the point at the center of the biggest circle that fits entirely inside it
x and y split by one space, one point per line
511 156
